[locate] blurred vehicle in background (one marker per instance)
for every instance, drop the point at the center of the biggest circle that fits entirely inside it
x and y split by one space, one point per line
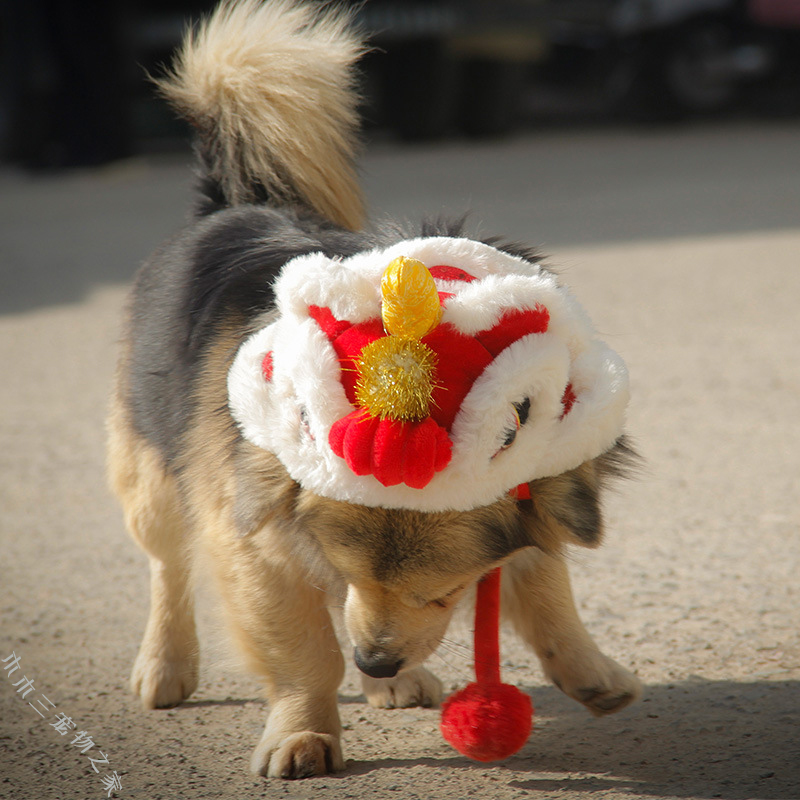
73 87
660 59
441 66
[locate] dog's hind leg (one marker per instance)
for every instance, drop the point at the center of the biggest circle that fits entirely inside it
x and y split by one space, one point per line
282 626
167 667
538 599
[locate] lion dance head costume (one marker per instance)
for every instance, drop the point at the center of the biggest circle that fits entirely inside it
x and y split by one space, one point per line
436 375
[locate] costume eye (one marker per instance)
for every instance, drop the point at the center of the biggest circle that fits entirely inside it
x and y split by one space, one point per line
523 410
304 422
518 416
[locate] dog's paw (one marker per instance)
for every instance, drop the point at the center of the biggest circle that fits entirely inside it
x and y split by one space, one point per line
416 687
163 683
298 755
596 681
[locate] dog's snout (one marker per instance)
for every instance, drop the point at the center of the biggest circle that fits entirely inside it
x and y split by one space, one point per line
377 664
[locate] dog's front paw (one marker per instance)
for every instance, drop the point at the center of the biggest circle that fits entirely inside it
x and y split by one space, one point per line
416 687
161 682
595 680
298 755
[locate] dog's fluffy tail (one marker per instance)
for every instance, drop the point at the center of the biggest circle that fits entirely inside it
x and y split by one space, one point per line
269 86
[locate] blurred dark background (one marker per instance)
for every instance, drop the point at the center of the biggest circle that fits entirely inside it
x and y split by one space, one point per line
74 90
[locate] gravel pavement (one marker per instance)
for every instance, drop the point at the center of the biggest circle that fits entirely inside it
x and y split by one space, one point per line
684 245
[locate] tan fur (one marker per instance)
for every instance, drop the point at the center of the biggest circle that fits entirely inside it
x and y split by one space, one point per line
538 601
167 666
250 80
281 555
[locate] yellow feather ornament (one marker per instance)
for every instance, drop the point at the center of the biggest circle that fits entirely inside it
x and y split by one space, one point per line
410 307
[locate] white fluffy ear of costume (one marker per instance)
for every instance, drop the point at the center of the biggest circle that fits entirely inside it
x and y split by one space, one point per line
290 410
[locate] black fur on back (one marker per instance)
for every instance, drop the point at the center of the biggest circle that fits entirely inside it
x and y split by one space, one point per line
219 271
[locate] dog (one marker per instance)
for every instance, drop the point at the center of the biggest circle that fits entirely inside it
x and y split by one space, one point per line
270 89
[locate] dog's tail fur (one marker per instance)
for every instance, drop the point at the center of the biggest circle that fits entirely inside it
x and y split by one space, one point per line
270 89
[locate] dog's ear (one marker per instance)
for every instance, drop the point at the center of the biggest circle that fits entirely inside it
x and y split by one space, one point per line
570 503
566 508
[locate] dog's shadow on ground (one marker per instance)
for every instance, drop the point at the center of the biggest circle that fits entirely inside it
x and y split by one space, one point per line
693 739
188 705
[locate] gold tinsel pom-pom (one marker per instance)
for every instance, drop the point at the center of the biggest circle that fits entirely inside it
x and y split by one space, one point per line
410 303
396 378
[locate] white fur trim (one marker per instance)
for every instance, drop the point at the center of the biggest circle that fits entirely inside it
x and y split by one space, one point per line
292 414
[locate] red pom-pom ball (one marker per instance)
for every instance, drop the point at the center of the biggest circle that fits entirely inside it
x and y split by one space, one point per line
487 722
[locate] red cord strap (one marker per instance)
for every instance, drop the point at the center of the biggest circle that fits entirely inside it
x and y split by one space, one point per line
487 628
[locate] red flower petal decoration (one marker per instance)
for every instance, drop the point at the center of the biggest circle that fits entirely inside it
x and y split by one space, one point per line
392 450
356 445
428 450
388 452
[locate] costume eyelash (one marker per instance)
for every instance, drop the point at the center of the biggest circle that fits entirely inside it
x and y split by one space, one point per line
521 413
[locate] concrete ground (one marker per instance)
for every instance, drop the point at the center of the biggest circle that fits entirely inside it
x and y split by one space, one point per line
683 244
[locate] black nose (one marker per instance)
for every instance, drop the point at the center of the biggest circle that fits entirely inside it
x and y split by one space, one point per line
377 664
